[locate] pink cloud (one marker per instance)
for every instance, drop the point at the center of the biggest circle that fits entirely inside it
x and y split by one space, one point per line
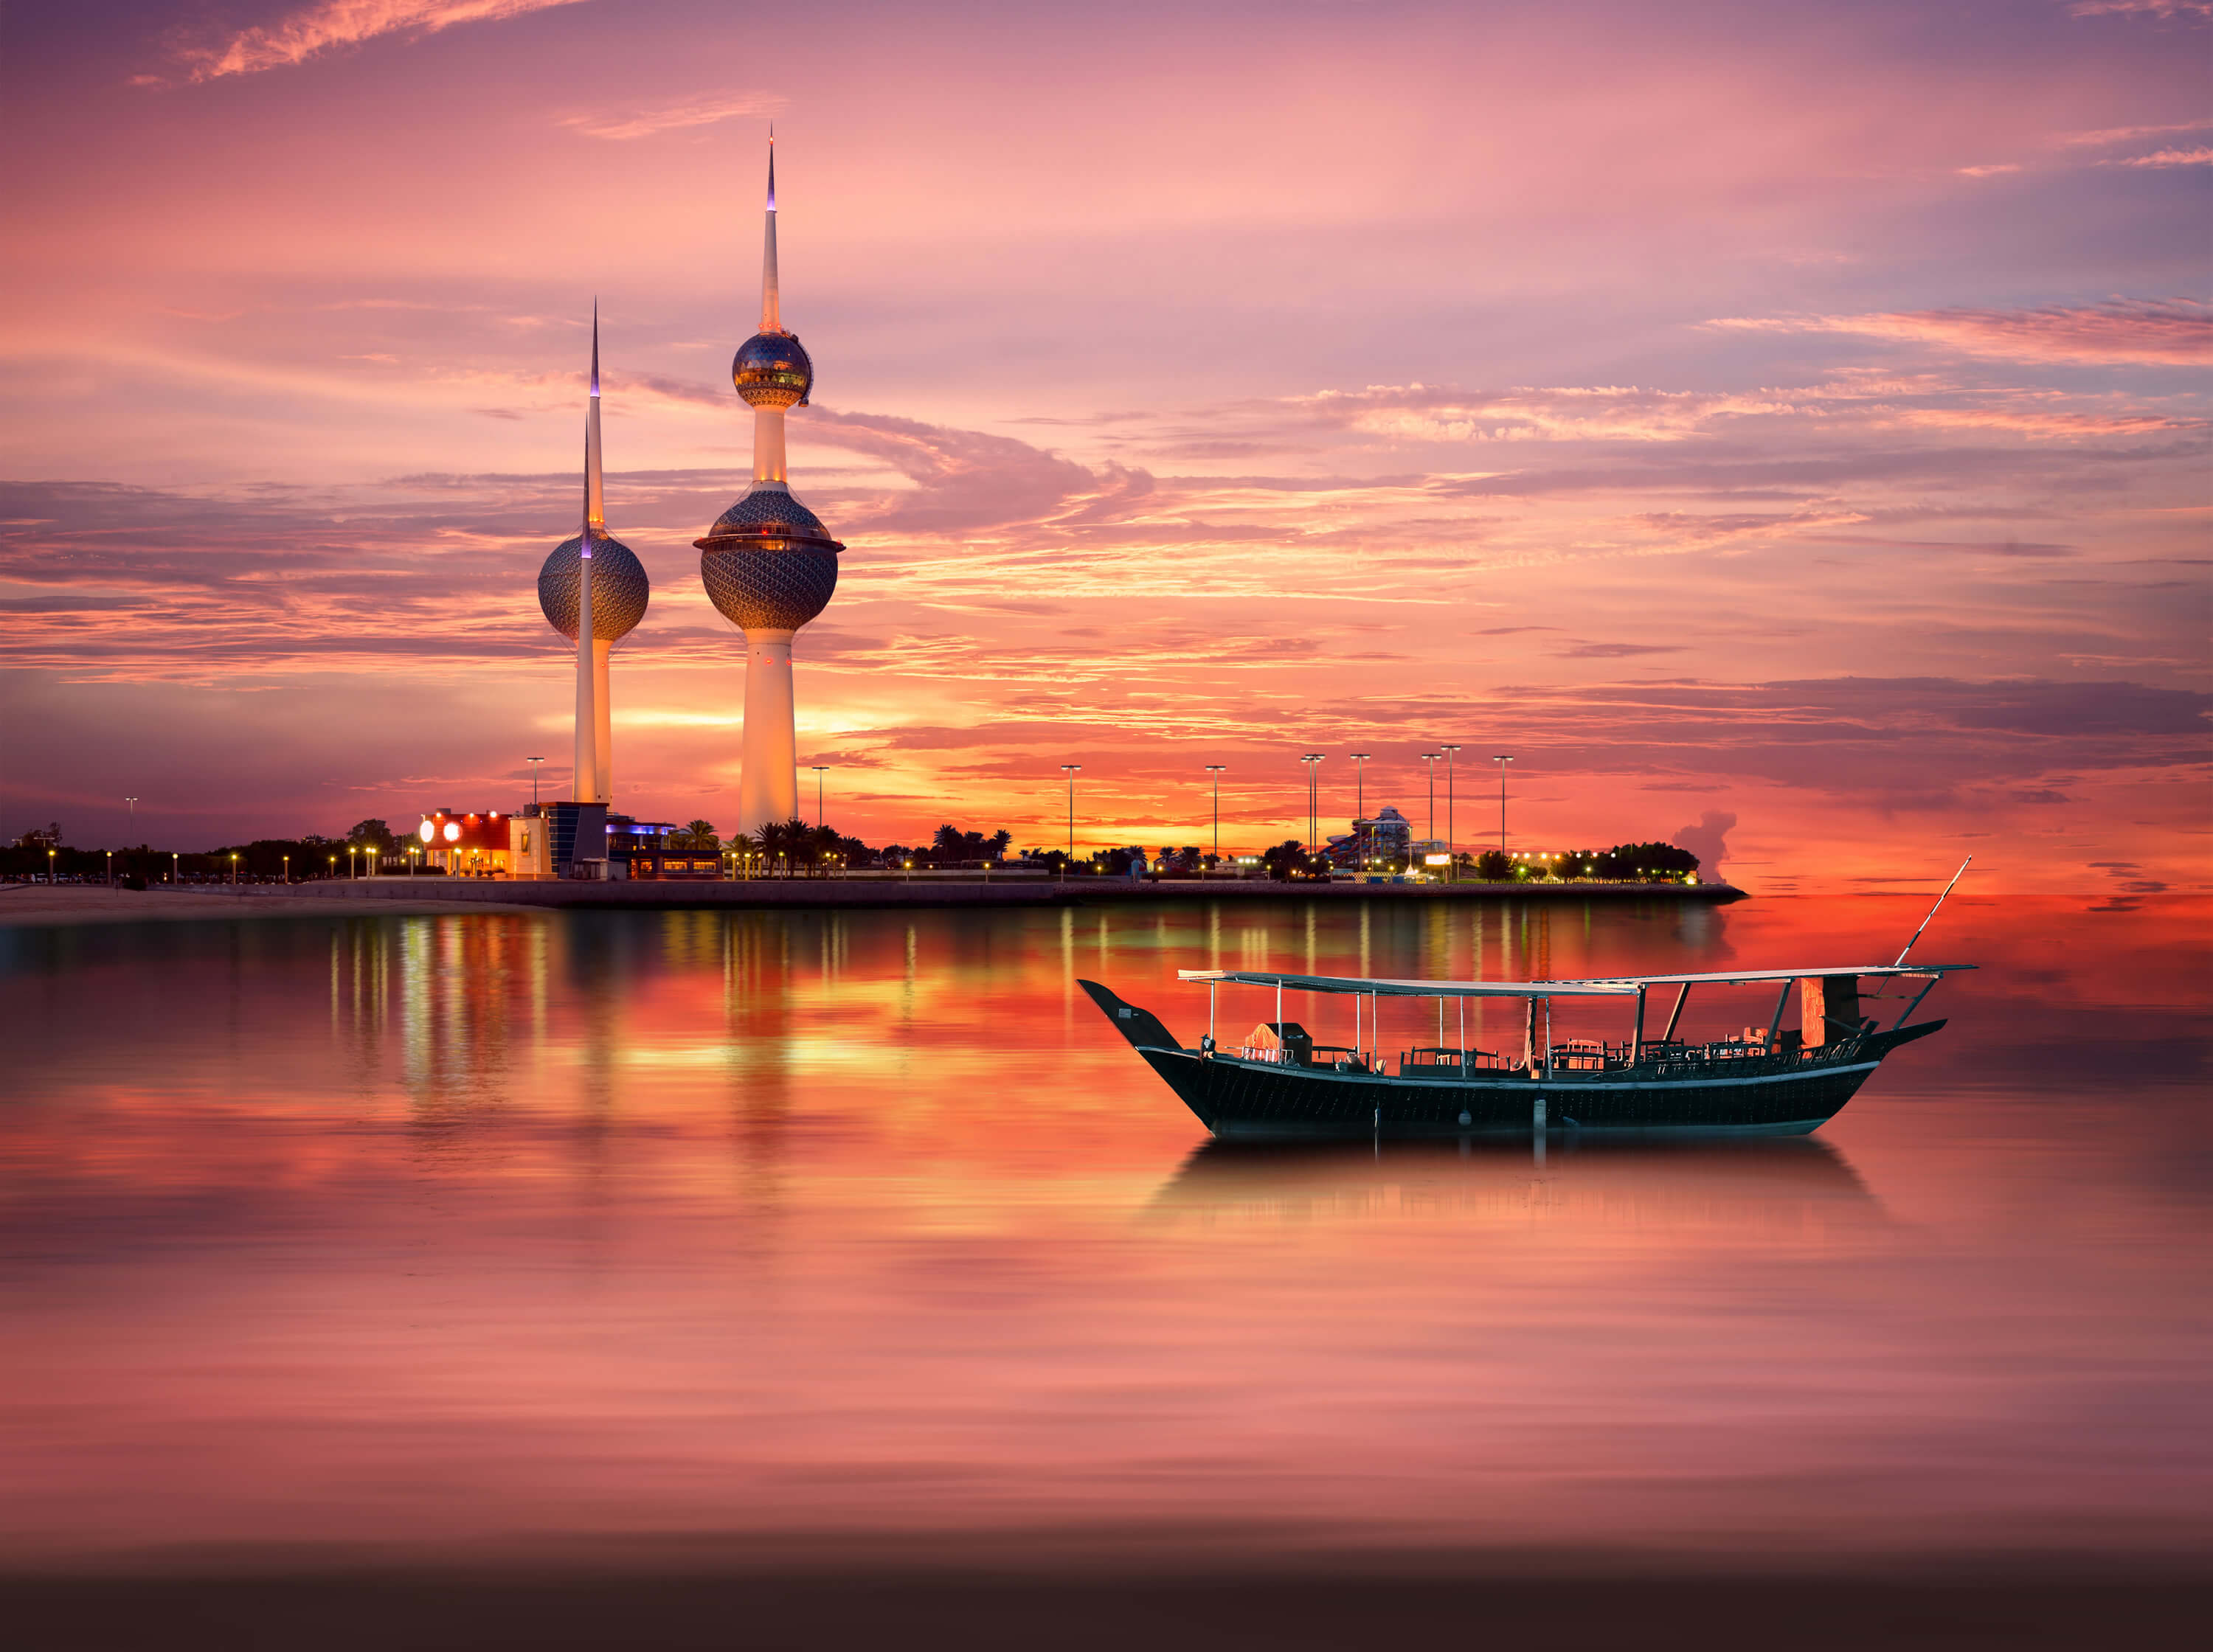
2140 7
674 117
2130 134
319 29
2161 331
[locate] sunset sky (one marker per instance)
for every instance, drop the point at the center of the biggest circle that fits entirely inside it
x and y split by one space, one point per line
1791 412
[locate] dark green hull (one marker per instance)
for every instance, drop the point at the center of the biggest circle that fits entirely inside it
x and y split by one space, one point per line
1786 1094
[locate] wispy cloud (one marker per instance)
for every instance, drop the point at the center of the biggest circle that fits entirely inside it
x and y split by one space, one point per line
2140 7
316 30
2166 331
1991 171
674 117
2131 134
2198 157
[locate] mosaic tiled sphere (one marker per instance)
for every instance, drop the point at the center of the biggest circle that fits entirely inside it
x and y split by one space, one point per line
768 562
619 588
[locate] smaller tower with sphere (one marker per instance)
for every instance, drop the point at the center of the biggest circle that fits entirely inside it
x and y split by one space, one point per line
768 562
594 613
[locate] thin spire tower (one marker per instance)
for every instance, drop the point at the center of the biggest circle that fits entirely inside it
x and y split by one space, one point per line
768 562
593 752
597 612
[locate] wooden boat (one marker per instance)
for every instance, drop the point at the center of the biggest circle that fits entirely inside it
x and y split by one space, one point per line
1276 1083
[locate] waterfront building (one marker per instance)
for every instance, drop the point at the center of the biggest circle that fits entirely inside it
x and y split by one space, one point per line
596 614
482 844
768 564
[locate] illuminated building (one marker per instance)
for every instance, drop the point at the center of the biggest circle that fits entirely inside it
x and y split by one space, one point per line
485 844
594 614
768 564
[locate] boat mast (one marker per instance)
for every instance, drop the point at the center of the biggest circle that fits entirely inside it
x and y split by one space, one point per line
1956 876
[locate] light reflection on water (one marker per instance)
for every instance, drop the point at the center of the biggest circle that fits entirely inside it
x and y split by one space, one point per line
471 1231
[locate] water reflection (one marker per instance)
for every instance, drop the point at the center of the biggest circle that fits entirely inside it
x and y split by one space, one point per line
489 1228
1757 1189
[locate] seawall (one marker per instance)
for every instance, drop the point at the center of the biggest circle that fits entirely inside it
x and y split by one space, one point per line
942 892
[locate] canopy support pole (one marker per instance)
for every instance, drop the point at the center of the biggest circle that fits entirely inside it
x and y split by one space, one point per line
1637 1038
1915 1004
1675 1015
1775 1025
1529 1035
1213 991
1548 1040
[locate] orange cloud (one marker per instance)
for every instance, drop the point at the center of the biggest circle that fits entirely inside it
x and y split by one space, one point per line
319 29
2160 331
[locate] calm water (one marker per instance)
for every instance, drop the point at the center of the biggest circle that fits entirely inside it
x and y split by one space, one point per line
596 1233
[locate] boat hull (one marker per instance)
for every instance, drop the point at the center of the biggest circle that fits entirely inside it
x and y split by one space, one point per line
1254 1101
1240 1100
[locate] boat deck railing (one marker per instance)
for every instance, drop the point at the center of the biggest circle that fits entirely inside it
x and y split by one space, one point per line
1570 1057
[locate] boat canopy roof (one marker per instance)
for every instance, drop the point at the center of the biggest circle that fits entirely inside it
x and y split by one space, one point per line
1616 986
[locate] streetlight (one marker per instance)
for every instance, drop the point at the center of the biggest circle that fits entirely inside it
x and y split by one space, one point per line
1432 758
533 762
1313 760
1502 759
172 866
1070 769
1359 785
288 871
819 769
234 869
49 866
334 869
1215 768
134 815
111 868
1452 866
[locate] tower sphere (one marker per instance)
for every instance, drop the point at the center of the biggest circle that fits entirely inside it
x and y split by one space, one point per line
768 562
619 588
771 369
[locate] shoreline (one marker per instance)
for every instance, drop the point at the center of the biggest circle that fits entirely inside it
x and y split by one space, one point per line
24 904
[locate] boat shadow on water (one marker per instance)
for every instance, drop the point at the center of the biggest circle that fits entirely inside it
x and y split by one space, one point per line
1759 1181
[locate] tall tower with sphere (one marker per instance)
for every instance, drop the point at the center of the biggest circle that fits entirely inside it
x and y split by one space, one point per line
594 613
768 562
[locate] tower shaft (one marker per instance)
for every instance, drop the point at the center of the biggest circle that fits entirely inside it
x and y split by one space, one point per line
768 776
768 446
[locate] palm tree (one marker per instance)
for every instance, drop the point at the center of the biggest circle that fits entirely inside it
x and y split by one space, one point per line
698 834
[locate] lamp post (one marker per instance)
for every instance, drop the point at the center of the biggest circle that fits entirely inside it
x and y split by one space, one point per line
533 762
1313 760
334 869
1070 769
819 769
111 868
1452 866
1359 785
288 871
1215 768
1432 760
173 867
50 869
1502 759
134 815
234 869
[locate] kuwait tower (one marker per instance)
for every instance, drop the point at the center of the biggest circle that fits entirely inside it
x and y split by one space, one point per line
596 614
768 562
